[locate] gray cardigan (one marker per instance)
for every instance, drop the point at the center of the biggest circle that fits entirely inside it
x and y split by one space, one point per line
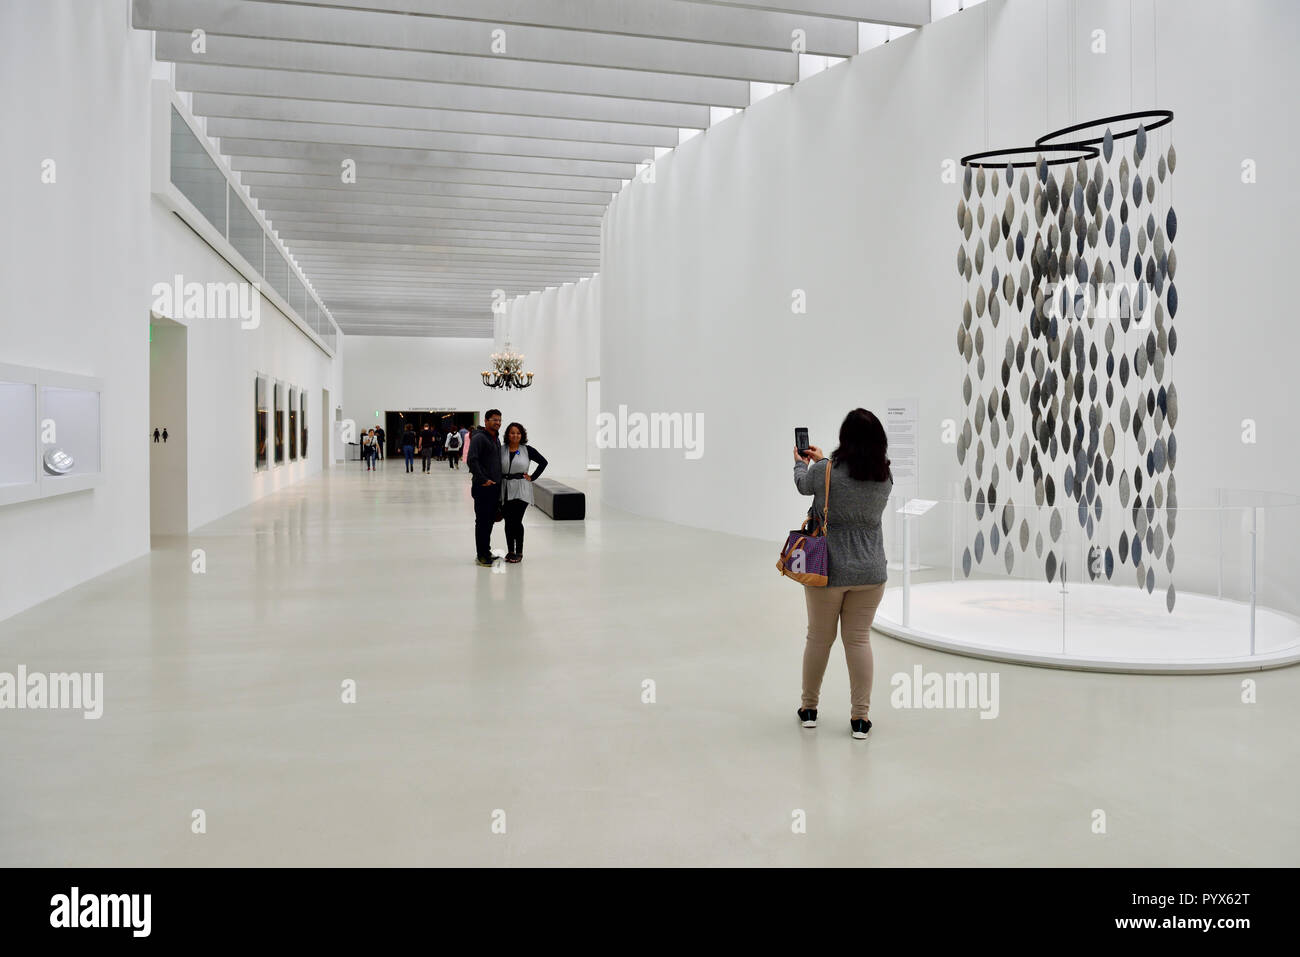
854 536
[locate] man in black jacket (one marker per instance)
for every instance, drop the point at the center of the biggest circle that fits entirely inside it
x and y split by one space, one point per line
485 482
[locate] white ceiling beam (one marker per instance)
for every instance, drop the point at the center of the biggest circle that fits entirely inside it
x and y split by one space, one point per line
288 84
467 271
475 286
432 329
448 68
267 195
490 284
448 217
462 311
281 171
576 253
283 218
427 140
389 232
660 19
897 13
296 206
447 255
335 154
469 302
234 105
389 31
327 258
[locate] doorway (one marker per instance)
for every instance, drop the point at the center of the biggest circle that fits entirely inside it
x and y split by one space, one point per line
167 433
441 419
593 421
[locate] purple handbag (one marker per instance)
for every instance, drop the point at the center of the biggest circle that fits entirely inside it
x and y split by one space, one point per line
806 557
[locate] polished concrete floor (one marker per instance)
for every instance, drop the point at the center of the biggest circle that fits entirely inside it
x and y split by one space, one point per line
520 690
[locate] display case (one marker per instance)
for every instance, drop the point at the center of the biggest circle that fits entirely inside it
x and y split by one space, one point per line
1026 583
18 426
51 424
69 431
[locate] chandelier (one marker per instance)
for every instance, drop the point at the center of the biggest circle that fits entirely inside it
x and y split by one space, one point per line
507 371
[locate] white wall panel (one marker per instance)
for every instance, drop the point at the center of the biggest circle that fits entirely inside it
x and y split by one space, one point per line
223 361
833 187
74 89
407 372
558 330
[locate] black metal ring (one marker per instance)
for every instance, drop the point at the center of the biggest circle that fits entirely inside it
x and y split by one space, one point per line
1162 118
1077 152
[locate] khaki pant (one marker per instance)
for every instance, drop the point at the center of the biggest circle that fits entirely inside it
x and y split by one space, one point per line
849 609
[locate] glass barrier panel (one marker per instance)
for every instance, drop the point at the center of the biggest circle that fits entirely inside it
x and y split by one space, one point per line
246 233
195 174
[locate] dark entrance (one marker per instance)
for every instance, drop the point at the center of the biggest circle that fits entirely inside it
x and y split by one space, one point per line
396 422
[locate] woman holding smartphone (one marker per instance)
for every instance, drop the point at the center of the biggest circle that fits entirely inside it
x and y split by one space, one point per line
860 487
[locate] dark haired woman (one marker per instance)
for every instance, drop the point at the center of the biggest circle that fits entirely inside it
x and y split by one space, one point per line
517 486
860 488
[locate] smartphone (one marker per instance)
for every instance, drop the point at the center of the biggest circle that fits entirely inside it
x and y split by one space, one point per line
801 440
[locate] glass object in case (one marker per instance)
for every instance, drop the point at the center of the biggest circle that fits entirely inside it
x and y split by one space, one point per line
69 431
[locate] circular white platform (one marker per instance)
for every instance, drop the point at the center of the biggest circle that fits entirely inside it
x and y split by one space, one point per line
1090 627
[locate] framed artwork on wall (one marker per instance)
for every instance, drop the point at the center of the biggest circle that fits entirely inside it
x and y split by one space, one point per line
279 423
293 424
260 429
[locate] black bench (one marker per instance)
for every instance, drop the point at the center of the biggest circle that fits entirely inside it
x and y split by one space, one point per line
559 501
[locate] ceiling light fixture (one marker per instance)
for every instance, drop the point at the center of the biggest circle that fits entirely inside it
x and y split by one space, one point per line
507 371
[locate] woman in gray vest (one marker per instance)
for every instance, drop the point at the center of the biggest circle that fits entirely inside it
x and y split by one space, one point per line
517 486
860 487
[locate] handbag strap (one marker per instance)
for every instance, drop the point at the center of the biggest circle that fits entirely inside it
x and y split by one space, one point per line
826 502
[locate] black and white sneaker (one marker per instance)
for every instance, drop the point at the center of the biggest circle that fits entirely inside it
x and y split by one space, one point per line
807 717
860 728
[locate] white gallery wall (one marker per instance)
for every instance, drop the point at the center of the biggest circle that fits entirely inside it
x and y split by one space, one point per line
74 90
558 331
224 359
413 372
81 254
833 190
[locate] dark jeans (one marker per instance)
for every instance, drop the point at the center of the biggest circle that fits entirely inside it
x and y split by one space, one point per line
486 500
426 453
452 459
409 452
514 517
